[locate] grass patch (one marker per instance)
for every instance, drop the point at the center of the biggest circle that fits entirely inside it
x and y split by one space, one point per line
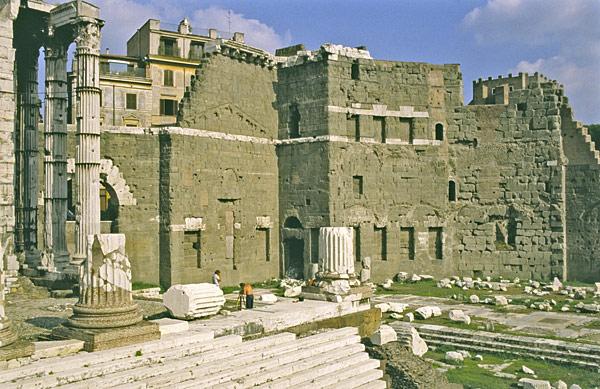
472 376
144 285
273 285
427 288
593 325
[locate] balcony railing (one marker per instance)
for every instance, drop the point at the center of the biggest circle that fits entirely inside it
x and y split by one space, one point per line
130 72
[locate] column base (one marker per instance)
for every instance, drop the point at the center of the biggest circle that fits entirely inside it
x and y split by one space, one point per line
97 317
19 349
361 294
107 338
33 258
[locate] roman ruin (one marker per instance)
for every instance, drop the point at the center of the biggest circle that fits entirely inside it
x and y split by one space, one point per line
195 152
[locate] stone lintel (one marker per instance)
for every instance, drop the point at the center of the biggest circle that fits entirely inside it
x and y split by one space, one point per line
103 339
380 110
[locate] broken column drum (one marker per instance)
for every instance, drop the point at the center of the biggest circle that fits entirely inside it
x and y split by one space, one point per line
87 157
336 252
55 159
7 336
105 298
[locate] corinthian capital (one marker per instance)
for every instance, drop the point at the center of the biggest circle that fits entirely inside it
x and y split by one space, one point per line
87 34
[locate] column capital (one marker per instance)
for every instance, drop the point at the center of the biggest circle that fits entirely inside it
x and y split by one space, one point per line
87 33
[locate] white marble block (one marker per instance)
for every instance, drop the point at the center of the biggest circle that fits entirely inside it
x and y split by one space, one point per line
193 301
383 335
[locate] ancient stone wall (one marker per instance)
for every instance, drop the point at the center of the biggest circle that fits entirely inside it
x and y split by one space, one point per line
583 200
219 184
507 163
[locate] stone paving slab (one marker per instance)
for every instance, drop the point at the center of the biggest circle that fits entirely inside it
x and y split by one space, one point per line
558 323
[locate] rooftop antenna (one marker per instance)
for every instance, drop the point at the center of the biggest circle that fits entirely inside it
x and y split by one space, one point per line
229 21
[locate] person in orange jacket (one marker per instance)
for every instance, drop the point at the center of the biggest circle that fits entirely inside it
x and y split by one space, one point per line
247 292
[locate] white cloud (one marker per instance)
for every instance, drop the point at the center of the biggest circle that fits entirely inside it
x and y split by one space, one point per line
565 32
256 33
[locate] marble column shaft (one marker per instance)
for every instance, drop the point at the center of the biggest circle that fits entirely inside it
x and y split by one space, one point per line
336 248
55 159
29 108
87 157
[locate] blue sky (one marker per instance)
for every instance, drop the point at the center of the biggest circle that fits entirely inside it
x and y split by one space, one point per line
560 38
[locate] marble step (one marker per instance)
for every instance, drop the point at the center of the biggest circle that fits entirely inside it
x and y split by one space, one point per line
378 384
185 368
80 360
304 369
91 370
510 344
328 367
239 369
140 376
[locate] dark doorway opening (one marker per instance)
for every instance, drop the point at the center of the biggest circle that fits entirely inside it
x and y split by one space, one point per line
294 258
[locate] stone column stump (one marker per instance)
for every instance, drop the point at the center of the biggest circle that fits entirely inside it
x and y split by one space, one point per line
336 280
105 315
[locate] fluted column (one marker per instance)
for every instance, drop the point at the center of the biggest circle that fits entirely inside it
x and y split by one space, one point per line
55 159
87 157
336 256
29 117
105 298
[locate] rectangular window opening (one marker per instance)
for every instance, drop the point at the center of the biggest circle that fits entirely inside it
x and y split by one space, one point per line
167 78
407 242
357 186
436 248
192 248
314 245
381 242
131 100
380 127
357 254
168 107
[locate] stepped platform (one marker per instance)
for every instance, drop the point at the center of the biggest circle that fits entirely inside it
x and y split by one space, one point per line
193 359
558 351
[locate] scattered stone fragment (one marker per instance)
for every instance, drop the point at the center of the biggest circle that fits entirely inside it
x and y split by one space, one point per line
417 344
383 335
575 386
424 312
436 311
464 353
527 370
529 383
474 299
478 357
454 357
293 291
410 317
590 308
500 300
459 316
402 276
565 308
387 284
191 301
444 283
415 278
396 316
426 277
267 298
560 385
580 294
557 284
384 307
397 307
597 284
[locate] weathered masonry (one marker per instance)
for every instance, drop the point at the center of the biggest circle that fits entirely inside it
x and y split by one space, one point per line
263 150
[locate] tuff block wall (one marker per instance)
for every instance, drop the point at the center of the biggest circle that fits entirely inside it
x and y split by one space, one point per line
224 161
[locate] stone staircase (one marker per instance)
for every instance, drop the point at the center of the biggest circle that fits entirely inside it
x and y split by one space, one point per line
570 353
331 359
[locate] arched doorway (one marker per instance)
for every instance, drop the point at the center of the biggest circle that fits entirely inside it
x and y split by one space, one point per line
293 248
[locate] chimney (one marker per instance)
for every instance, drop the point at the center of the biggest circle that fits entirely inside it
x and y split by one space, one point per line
212 33
238 37
184 27
107 51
